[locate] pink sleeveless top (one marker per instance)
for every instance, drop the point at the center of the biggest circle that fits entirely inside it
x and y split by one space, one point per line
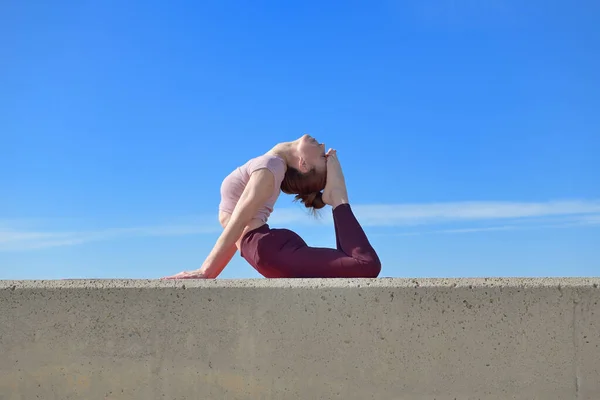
233 185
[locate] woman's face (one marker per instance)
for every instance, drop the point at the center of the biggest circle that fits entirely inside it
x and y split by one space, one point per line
311 154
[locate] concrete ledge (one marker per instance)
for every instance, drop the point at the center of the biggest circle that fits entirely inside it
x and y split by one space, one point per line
306 283
444 339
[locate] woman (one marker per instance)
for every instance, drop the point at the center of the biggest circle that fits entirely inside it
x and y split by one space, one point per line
248 195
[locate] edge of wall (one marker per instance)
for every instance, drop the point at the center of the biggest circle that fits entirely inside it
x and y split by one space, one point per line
529 282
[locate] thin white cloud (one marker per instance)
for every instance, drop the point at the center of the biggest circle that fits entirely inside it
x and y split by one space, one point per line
483 229
8 236
488 229
18 241
590 220
436 213
569 222
481 216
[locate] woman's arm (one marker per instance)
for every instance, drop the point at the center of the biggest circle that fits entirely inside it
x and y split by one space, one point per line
258 190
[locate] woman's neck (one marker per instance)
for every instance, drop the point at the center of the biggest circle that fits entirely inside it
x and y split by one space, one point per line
287 152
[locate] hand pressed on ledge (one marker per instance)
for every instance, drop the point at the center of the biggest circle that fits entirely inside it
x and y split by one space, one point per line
197 274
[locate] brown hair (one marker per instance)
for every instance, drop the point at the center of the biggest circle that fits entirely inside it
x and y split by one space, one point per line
307 187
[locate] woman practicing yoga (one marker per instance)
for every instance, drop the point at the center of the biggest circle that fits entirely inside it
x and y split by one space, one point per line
248 195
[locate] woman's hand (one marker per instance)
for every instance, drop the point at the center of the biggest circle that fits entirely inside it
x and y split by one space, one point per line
335 191
197 274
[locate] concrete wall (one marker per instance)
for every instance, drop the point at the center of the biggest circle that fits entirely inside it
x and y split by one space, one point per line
300 339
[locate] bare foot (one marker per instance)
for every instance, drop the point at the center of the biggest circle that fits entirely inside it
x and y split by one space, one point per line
335 192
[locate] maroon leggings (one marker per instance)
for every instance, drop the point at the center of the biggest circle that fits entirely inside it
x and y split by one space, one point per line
281 253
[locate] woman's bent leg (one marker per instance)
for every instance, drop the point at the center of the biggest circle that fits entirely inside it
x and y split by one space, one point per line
281 253
353 258
350 236
316 262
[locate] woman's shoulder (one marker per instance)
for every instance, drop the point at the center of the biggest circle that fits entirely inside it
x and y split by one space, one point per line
267 159
272 162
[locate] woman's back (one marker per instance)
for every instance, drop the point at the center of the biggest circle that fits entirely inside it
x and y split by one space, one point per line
234 184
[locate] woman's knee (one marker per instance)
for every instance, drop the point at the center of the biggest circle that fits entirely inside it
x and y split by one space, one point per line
372 266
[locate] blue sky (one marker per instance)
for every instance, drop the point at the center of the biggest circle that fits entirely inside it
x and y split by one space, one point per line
469 131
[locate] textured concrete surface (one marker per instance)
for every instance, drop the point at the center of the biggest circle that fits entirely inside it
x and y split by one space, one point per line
378 339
